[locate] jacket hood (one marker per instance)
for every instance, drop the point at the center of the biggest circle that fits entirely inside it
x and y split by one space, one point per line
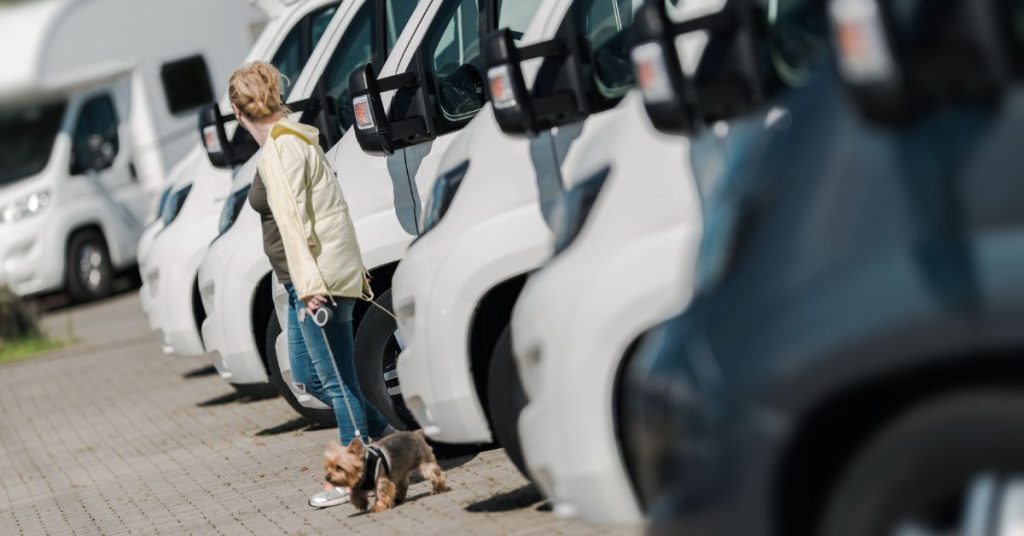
286 125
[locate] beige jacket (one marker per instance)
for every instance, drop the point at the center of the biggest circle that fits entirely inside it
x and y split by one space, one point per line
306 200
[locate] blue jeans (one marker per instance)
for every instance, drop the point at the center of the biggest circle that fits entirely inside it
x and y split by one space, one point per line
312 366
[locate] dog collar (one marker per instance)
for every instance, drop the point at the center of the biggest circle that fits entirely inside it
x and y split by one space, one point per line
375 461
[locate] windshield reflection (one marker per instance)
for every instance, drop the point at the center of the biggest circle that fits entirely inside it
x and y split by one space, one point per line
27 134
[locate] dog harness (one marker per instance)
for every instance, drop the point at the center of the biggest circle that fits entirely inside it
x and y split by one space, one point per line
375 461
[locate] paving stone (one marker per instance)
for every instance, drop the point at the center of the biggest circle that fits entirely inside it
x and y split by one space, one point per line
113 437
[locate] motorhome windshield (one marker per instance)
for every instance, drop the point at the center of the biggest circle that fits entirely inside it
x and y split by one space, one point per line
27 134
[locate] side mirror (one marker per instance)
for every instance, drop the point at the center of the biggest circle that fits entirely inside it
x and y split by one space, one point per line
517 112
214 136
670 101
376 133
897 65
97 153
507 88
373 131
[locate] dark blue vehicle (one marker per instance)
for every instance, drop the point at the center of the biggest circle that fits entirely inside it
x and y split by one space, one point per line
852 364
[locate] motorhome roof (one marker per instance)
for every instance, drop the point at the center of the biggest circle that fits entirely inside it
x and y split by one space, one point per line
51 47
23 34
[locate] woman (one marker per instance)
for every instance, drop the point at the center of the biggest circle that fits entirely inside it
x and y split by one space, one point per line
311 243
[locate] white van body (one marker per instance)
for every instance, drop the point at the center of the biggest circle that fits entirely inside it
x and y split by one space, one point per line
170 272
111 59
496 231
236 267
630 267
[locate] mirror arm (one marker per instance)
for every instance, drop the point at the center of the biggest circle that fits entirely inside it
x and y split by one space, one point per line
398 81
719 21
549 48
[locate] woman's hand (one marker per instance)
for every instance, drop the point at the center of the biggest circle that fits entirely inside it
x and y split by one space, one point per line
315 302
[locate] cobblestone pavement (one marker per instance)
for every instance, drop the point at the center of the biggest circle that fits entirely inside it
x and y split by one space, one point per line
112 437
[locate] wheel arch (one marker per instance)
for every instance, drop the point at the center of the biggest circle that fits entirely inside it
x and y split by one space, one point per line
198 310
380 282
492 314
827 438
260 311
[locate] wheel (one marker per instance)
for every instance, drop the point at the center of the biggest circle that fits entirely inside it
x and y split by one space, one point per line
946 466
377 349
88 271
324 416
506 399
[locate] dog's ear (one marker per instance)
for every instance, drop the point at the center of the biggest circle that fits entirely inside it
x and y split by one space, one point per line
355 446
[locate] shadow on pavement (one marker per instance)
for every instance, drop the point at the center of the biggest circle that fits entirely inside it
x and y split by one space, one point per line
199 372
222 400
517 499
59 301
294 425
409 499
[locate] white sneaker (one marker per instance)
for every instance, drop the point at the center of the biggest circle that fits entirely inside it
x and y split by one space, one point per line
329 497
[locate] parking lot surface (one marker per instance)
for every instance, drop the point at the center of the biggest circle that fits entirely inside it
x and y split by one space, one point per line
112 437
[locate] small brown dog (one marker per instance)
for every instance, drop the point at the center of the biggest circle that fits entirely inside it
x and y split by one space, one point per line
390 461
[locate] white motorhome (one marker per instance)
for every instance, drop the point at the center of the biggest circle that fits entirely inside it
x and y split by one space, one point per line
170 272
406 119
97 102
492 213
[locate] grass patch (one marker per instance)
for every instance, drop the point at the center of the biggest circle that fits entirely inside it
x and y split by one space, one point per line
25 348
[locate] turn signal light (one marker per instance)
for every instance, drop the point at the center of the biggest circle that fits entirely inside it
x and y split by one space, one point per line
502 93
860 39
651 73
363 113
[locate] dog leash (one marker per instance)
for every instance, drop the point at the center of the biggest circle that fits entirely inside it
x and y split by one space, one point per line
321 317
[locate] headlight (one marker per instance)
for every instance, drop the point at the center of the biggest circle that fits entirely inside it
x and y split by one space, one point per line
174 204
232 208
442 195
575 208
25 207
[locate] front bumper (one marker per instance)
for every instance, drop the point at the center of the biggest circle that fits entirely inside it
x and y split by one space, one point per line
227 330
31 255
436 291
573 325
434 368
169 276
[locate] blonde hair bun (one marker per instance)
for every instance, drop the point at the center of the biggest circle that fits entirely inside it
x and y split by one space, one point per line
256 90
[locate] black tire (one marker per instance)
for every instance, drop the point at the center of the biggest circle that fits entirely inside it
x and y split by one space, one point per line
376 352
323 416
919 467
506 400
87 268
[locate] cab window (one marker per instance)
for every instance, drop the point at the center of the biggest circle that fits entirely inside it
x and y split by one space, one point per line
97 122
453 55
298 45
605 26
516 15
354 50
398 13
